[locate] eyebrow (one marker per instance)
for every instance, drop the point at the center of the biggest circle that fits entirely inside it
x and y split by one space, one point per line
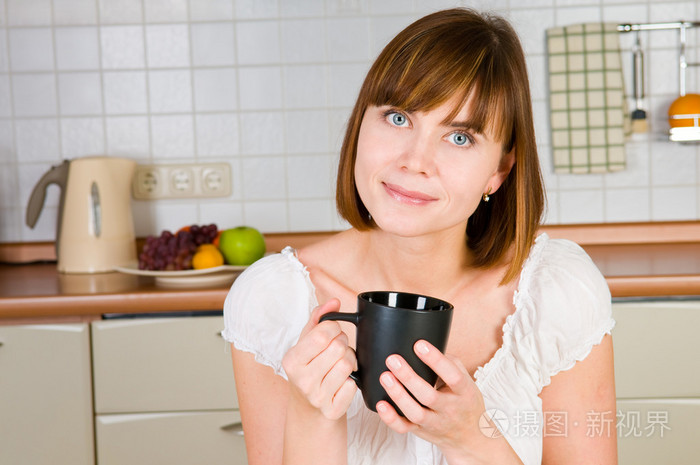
464 125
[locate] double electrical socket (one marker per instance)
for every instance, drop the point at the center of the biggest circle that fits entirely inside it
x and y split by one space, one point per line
178 181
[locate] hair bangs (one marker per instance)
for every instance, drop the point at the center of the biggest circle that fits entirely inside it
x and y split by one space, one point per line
427 72
490 114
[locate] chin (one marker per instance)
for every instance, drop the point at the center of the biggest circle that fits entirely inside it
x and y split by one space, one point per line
404 227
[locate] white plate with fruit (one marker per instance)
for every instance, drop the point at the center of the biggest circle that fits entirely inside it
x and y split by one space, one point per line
198 255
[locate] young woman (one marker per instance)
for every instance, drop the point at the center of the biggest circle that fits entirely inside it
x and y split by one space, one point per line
440 180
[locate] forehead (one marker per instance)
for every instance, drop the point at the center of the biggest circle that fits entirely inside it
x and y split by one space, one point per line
461 113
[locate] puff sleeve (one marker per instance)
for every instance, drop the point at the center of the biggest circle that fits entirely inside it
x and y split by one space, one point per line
572 303
267 307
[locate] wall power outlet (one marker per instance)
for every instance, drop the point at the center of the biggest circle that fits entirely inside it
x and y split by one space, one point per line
179 181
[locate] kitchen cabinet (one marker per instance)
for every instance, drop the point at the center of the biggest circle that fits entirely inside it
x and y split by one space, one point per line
164 392
46 395
657 376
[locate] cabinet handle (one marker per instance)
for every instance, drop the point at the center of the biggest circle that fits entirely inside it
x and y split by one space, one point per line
235 428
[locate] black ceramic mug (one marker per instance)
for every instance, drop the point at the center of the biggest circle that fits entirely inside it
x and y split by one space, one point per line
391 323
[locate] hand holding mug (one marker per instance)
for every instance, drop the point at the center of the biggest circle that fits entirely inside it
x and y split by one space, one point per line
447 415
391 323
319 365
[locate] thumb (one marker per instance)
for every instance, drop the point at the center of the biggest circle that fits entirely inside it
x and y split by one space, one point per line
333 305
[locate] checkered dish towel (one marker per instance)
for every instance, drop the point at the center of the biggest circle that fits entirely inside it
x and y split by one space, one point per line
588 111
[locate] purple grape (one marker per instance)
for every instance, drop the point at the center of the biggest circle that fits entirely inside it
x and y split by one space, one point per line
169 251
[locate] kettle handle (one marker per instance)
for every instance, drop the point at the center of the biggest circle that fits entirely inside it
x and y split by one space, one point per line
56 175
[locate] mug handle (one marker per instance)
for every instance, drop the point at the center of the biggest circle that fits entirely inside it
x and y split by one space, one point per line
353 318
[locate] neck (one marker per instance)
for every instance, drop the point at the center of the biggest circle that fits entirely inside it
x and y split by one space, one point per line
433 264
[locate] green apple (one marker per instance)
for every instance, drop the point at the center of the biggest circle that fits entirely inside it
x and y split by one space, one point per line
241 246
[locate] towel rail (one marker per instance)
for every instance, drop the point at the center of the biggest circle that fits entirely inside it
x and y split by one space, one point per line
681 134
657 26
682 27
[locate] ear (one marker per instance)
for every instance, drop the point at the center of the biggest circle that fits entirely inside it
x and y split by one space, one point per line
502 172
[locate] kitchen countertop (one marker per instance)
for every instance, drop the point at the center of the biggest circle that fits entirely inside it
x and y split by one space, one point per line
637 259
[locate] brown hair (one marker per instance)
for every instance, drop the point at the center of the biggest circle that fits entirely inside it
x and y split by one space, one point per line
461 53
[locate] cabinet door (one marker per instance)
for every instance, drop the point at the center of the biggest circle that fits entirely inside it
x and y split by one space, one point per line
45 395
657 349
183 438
658 431
162 364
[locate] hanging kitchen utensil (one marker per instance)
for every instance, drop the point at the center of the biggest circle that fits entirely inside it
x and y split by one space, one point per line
639 116
684 112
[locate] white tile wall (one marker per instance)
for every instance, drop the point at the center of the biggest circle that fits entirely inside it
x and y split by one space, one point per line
168 45
217 135
77 48
170 91
215 89
122 47
37 140
165 11
172 136
267 86
73 12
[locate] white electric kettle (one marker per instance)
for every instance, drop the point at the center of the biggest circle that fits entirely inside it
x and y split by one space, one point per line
95 229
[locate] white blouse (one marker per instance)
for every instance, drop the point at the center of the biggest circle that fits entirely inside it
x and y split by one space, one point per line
562 309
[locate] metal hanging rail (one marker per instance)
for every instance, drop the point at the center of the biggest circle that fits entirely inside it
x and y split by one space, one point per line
657 26
682 27
683 133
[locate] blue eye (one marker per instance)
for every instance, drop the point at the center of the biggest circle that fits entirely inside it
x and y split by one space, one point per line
398 119
459 138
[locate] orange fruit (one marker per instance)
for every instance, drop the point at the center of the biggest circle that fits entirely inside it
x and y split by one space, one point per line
207 256
688 104
216 239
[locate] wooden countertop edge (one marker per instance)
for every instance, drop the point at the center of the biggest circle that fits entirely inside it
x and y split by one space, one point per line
213 299
627 233
654 286
97 304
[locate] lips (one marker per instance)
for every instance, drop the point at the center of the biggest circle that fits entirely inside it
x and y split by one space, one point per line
408 196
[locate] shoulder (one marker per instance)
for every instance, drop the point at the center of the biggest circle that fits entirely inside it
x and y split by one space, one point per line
567 303
560 273
267 306
282 271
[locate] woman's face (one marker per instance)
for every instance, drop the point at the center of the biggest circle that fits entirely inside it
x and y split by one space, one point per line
417 175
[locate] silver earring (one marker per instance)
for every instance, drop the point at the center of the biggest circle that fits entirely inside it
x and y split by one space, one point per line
486 195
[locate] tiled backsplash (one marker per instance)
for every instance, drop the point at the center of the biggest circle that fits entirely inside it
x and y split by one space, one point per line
266 85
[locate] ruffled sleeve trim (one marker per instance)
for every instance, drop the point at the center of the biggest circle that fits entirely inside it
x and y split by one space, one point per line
267 306
582 351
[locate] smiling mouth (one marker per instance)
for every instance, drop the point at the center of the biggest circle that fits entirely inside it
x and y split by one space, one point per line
406 196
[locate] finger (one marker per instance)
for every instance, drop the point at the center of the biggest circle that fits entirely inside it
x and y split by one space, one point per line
392 419
453 375
310 377
421 389
340 371
342 400
410 407
315 337
326 359
313 344
333 305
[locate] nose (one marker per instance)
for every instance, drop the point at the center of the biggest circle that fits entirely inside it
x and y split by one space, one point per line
417 156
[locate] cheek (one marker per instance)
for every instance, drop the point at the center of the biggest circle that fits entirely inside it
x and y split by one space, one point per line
466 183
369 158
